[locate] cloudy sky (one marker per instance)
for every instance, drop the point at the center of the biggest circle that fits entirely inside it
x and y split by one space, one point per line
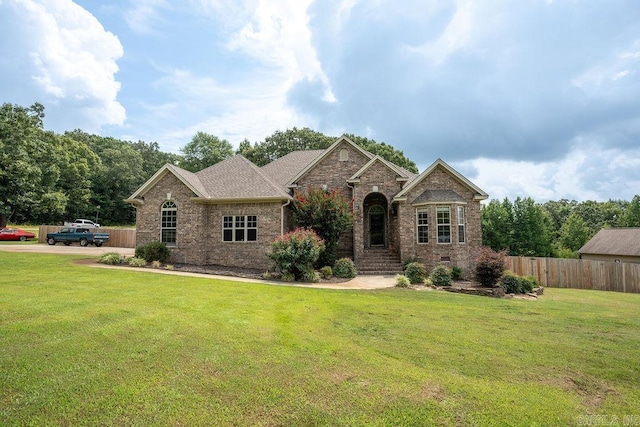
535 98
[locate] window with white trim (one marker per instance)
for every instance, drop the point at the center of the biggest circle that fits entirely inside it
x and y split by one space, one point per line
443 222
461 227
168 223
240 228
422 225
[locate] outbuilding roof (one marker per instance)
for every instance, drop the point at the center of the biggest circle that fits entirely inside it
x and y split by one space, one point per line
614 241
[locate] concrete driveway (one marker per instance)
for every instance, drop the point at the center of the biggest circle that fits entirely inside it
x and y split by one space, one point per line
360 282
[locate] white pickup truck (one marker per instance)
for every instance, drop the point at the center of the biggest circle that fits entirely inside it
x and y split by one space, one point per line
86 223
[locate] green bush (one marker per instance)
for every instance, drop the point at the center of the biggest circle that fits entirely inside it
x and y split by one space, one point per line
345 268
311 276
441 276
510 282
153 251
489 266
326 272
136 262
514 284
402 281
408 260
287 277
296 252
111 258
416 272
529 283
456 273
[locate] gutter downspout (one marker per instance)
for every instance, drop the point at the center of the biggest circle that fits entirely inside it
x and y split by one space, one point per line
282 216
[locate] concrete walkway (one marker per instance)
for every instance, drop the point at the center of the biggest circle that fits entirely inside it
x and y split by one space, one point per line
360 282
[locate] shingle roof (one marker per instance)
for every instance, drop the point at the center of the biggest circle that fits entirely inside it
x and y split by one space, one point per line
438 196
238 178
614 241
283 170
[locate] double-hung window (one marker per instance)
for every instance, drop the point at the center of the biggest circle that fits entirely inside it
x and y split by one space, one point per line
461 230
443 222
168 223
240 228
423 225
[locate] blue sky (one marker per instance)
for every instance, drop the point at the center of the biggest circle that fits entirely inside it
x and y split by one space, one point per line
536 98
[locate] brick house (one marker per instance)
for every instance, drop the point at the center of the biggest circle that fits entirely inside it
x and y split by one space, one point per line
229 213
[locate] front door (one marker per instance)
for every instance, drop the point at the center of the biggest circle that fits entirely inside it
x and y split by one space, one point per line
376 226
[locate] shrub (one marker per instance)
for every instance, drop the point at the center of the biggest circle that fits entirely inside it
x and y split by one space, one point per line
296 252
345 268
510 282
153 251
408 260
136 262
514 284
402 281
169 267
156 264
311 276
287 277
326 272
416 272
489 266
456 273
528 283
441 276
111 258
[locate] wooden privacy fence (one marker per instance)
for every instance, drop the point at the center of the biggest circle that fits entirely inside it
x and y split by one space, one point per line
579 273
118 237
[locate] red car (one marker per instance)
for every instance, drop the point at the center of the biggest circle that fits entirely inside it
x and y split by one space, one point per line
15 234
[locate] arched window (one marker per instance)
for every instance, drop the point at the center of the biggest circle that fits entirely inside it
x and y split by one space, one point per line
168 223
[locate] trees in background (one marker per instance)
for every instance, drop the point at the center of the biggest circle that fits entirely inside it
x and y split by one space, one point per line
284 142
203 151
555 228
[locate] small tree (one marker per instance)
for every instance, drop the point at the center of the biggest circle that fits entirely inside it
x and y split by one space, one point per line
328 213
296 252
489 266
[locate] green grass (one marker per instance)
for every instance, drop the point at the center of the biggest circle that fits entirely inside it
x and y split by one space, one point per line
87 346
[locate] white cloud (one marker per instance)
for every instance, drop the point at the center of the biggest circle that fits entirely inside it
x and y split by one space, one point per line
70 62
145 16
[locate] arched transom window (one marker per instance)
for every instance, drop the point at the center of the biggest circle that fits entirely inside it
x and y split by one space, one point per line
168 223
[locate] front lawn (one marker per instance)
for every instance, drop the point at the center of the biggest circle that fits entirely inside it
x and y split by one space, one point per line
93 346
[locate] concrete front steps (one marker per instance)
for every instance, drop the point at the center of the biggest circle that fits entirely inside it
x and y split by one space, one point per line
379 261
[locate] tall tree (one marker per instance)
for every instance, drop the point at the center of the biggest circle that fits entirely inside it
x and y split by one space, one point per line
497 224
531 229
28 165
574 232
152 158
203 151
631 216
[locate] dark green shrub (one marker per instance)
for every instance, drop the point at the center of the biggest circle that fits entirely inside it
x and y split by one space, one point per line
441 276
296 252
489 266
456 273
514 284
111 258
408 260
510 282
529 283
416 272
402 281
326 272
153 251
345 268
